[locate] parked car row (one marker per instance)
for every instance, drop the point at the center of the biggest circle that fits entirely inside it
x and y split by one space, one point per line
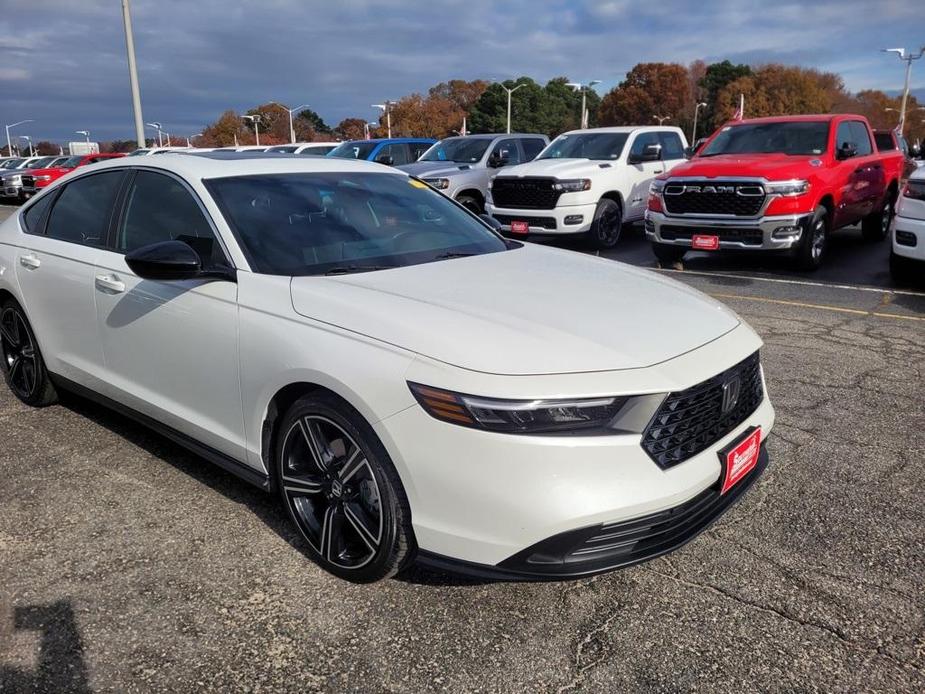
21 178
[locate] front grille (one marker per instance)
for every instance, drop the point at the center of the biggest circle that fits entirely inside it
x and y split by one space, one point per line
28 181
690 421
544 222
730 198
752 236
525 193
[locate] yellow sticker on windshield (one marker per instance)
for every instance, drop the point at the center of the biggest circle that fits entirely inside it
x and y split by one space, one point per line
417 184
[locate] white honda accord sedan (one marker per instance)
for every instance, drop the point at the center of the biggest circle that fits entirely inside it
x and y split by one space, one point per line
411 384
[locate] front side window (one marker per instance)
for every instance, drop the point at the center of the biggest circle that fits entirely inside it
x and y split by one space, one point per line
642 141
398 153
459 150
158 208
353 150
82 210
672 147
861 138
596 146
506 151
792 138
335 223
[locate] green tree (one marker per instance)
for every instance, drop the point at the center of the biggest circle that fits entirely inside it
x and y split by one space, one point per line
308 126
714 80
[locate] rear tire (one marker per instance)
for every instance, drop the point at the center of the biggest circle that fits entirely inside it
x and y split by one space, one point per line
607 224
22 363
811 250
876 225
341 490
668 254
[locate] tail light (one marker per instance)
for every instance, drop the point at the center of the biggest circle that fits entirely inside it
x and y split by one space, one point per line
914 190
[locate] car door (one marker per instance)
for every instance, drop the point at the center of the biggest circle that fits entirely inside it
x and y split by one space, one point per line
640 174
506 152
171 347
871 169
854 176
55 270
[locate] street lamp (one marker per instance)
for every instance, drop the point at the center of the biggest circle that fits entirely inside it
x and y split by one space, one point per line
157 126
388 115
290 111
9 145
661 119
697 108
29 140
188 143
907 58
509 92
133 73
86 134
367 126
583 88
255 119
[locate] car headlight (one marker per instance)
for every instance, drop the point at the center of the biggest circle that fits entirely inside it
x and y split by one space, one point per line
914 190
786 187
656 186
438 183
12 180
520 416
42 178
572 185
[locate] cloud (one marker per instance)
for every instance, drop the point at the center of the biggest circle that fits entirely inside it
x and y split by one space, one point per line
64 62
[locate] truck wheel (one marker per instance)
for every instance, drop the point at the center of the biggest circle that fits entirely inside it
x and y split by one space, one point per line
876 225
607 224
810 252
471 203
667 254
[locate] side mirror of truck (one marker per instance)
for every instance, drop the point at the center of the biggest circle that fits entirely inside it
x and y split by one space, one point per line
847 150
385 159
649 153
496 161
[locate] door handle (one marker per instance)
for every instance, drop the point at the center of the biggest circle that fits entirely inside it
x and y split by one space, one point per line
30 261
110 283
658 171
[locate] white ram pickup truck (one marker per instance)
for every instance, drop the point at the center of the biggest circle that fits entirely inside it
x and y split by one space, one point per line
589 182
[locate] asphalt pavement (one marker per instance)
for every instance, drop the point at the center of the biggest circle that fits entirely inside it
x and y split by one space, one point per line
128 564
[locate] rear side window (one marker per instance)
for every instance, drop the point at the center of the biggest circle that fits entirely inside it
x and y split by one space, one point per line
861 138
82 211
884 142
672 147
532 146
33 217
398 152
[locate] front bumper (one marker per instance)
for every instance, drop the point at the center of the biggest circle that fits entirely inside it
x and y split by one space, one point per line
908 237
11 190
763 234
562 219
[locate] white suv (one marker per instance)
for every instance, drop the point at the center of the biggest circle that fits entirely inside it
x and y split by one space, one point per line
907 257
586 182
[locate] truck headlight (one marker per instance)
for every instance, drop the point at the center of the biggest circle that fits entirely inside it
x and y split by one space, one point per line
656 186
520 416
572 185
789 188
42 178
438 183
12 180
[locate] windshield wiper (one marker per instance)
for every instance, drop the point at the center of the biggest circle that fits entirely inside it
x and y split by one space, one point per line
350 269
447 256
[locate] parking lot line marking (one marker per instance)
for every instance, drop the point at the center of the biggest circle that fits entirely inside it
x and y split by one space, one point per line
822 307
807 283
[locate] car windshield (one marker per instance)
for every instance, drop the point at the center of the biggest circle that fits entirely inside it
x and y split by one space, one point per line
10 163
353 150
286 149
598 146
792 138
41 163
460 150
339 223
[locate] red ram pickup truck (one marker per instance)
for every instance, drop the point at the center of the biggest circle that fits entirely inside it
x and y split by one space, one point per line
35 180
775 184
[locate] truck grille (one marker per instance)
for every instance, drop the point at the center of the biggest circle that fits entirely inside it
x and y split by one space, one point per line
729 198
28 181
692 420
525 193
752 236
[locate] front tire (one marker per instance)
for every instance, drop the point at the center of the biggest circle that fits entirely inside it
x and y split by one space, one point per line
876 225
607 224
471 203
811 250
22 363
341 490
668 254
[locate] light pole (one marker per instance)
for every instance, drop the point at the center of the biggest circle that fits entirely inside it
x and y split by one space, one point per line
290 111
907 58
133 73
9 145
29 140
388 115
188 143
509 92
255 119
367 126
661 119
700 105
583 88
156 126
86 134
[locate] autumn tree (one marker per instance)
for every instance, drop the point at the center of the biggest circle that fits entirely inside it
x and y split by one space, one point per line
773 90
309 126
222 132
649 90
439 113
351 129
47 148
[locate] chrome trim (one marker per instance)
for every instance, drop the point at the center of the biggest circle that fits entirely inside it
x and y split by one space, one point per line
767 225
706 180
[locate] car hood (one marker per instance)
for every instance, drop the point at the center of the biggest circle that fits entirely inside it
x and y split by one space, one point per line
530 310
434 168
557 168
774 167
43 172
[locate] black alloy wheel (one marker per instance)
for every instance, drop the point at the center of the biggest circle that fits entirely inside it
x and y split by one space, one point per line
811 248
607 224
23 366
341 491
876 226
471 203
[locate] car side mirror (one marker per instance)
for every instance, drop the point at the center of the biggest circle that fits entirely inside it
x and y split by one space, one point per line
385 159
689 152
496 161
491 221
165 260
649 153
847 150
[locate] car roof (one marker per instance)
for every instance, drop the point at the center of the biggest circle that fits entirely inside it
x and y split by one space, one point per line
389 140
625 129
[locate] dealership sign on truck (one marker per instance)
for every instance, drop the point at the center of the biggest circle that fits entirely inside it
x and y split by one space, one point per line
83 147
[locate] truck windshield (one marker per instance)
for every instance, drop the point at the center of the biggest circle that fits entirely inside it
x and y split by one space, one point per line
598 146
793 138
353 150
71 162
459 150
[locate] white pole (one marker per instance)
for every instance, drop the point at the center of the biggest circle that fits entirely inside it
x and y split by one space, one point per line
133 73
388 119
291 129
509 92
902 107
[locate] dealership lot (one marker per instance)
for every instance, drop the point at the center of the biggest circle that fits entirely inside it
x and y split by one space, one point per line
128 564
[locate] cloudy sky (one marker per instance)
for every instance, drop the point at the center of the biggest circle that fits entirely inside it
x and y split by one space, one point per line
62 62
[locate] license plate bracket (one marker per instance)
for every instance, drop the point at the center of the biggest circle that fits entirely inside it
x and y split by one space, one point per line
739 458
705 242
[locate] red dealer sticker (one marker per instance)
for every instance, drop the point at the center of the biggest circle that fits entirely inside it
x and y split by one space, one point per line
740 458
519 227
704 242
